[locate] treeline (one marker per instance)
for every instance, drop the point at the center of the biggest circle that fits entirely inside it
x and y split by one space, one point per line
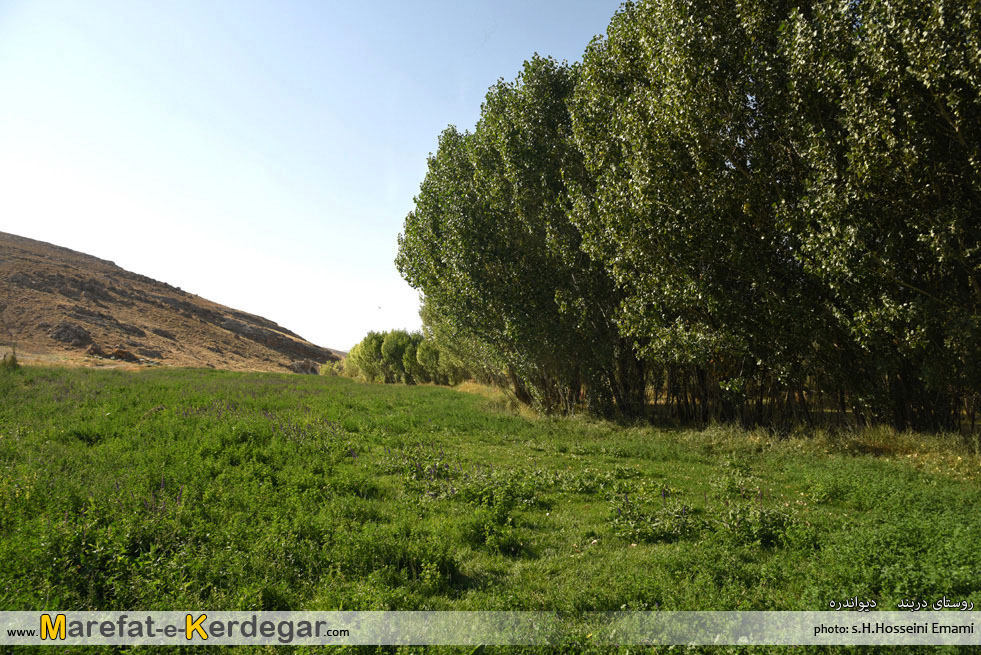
401 356
760 211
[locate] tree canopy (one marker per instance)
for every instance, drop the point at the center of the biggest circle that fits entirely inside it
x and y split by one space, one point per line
760 211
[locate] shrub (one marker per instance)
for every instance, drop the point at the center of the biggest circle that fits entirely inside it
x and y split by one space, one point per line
672 521
492 528
753 524
9 362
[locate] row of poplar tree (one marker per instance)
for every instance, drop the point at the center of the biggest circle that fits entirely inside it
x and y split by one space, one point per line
760 210
404 357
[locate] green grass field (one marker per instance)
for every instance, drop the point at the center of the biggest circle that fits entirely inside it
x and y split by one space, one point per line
172 489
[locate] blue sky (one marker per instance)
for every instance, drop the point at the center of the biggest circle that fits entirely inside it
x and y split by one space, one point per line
260 154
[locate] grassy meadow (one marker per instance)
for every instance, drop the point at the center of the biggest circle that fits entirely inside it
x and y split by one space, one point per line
171 489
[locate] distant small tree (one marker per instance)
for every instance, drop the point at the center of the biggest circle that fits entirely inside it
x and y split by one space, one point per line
410 362
366 358
427 357
413 357
351 367
393 349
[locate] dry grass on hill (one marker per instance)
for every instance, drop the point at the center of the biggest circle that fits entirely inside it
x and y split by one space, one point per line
66 308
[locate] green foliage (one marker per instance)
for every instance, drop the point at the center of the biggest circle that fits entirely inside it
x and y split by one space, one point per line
675 121
334 368
428 360
393 349
366 359
400 356
885 112
181 488
665 523
494 530
763 212
462 355
754 524
491 247
414 371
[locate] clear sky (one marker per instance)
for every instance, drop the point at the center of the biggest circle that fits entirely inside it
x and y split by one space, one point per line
260 154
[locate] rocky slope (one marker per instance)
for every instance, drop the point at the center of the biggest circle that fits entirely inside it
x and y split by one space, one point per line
62 306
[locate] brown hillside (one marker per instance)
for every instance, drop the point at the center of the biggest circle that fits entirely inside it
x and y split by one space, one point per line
65 307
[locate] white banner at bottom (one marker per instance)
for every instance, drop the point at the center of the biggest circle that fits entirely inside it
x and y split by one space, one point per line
493 628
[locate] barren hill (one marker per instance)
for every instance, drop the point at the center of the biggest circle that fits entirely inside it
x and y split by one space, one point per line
62 306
